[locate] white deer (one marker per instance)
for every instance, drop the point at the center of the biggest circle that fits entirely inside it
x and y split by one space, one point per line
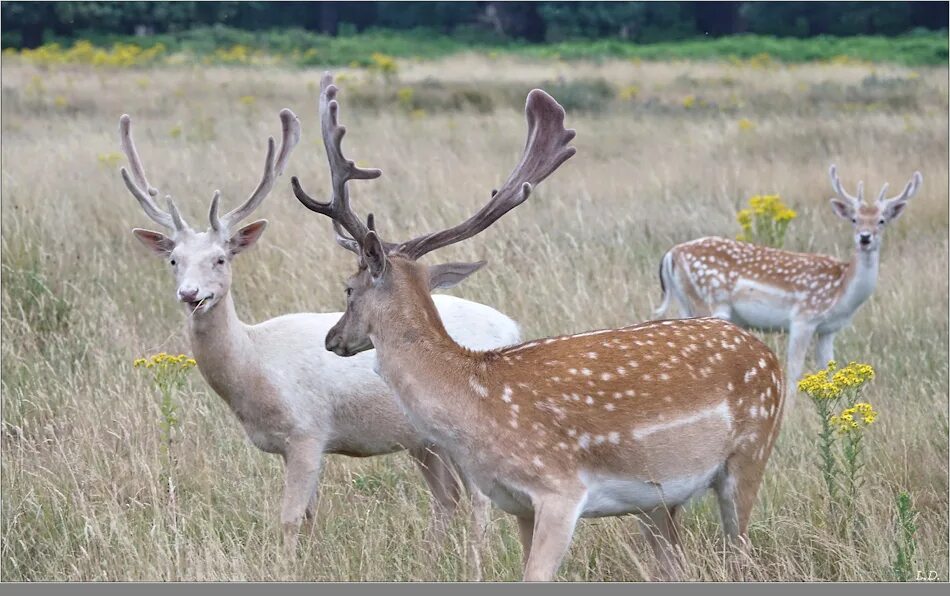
603 423
767 288
293 397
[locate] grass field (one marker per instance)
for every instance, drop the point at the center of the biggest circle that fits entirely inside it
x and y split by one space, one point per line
667 152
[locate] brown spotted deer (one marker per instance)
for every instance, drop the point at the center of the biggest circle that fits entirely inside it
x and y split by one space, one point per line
293 397
766 288
631 420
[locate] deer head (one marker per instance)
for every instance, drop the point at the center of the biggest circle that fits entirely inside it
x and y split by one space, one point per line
201 261
869 221
390 281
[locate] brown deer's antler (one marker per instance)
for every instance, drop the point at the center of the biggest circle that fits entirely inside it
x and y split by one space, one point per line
342 170
545 150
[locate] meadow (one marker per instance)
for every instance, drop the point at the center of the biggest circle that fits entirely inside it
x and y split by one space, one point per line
667 152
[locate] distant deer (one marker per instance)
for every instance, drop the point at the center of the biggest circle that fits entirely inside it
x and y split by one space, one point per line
291 396
766 288
631 420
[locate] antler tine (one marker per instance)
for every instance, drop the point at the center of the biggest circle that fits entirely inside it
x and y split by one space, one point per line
546 148
273 167
910 189
136 182
881 195
342 170
836 185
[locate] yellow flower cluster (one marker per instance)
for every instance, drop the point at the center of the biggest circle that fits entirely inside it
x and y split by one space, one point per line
764 212
384 64
745 124
83 52
831 382
165 362
236 54
850 420
629 92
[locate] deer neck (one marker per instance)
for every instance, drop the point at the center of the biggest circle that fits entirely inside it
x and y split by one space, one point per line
424 366
223 349
862 275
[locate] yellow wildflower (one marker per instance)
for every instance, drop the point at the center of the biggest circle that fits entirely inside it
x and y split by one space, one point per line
850 419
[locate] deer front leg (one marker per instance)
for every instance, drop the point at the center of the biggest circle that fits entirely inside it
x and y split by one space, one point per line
481 515
301 472
825 348
445 488
799 336
554 519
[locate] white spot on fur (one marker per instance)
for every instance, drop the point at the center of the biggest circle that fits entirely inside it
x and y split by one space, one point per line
478 387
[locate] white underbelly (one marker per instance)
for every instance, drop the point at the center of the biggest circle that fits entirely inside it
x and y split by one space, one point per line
760 306
616 496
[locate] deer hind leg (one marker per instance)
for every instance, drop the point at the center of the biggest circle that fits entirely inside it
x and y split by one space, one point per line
660 528
555 517
525 534
445 487
302 462
736 487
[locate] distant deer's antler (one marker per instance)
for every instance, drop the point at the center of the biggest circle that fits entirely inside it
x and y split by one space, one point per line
839 189
913 185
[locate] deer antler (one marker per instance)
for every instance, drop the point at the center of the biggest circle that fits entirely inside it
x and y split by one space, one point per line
836 185
138 184
342 170
913 185
290 136
545 150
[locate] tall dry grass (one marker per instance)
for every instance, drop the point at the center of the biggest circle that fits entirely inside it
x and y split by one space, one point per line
82 497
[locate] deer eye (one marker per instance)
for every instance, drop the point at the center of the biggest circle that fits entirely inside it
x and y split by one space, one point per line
854 220
349 292
220 261
173 262
881 222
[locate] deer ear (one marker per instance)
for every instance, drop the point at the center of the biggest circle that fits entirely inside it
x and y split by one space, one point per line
374 255
843 209
246 236
447 275
894 210
158 243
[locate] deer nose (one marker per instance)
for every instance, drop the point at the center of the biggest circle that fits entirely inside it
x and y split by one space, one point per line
865 238
187 295
332 342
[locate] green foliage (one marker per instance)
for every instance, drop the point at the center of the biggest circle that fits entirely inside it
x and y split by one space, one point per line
905 546
305 48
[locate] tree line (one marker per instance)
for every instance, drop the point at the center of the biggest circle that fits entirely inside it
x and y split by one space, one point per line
29 24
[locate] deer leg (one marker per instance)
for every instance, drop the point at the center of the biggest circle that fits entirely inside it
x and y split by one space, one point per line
659 527
525 534
554 519
825 348
301 473
445 488
799 336
736 488
481 514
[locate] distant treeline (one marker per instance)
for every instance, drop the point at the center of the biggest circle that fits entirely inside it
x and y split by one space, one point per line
29 24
